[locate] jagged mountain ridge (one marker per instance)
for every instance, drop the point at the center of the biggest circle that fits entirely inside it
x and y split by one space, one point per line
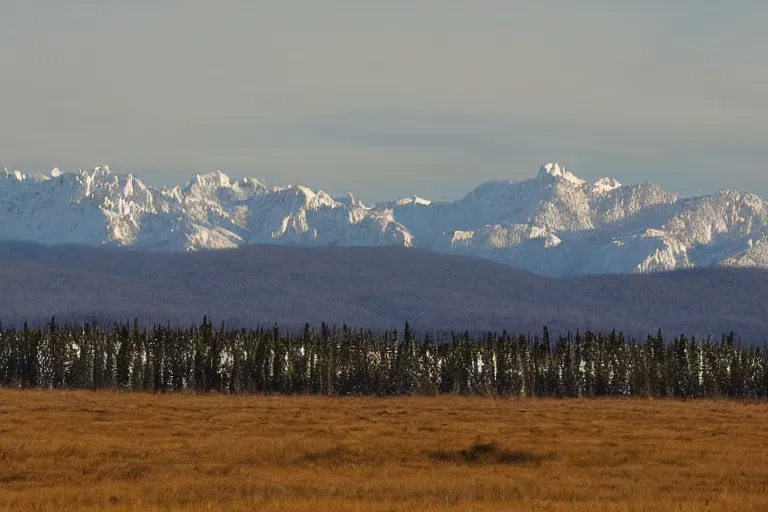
554 224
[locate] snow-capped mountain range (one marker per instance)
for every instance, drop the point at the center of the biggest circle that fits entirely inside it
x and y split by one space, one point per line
554 224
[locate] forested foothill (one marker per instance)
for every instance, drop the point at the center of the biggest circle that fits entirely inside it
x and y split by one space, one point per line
377 288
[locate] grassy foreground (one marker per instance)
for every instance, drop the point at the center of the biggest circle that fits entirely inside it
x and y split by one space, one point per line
68 451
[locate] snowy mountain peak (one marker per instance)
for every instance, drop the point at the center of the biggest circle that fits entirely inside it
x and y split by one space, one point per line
349 199
16 175
606 185
216 179
308 193
211 186
416 200
249 183
556 170
55 172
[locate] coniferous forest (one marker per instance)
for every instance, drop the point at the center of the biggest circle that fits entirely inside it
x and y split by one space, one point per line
346 361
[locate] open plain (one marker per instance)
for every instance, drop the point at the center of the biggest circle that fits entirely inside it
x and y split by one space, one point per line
80 451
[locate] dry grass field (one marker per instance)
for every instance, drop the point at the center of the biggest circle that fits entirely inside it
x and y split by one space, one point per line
80 451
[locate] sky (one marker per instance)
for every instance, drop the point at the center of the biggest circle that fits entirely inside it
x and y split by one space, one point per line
388 99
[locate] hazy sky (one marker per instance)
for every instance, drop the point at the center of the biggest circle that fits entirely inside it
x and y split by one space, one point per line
389 98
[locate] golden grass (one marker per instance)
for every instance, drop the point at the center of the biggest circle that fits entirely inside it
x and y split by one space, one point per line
67 451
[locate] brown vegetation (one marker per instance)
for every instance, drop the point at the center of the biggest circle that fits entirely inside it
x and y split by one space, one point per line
68 451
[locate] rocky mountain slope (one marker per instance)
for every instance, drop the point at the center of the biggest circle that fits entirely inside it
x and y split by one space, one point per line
554 224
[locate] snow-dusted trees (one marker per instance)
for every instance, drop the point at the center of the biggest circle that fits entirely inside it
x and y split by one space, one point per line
350 361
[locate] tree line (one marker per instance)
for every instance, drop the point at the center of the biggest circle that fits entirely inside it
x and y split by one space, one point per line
343 361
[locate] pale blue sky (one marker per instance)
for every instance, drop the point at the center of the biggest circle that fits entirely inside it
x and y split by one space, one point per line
389 98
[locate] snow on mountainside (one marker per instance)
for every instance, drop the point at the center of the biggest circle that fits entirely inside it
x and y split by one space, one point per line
553 224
